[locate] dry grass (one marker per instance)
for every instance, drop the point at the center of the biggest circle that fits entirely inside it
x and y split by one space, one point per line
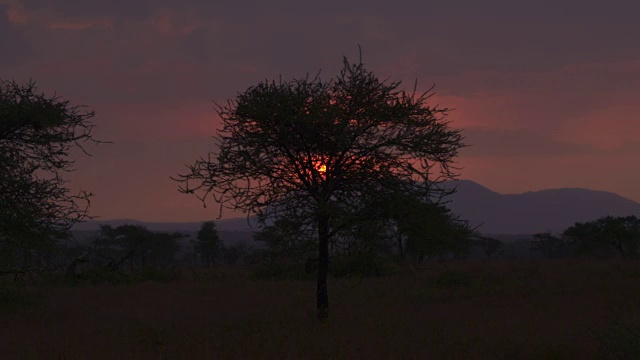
468 310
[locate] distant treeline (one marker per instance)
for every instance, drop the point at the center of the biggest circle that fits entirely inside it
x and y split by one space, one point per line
278 251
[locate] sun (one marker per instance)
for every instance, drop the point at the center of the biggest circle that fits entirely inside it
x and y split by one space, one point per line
321 167
319 164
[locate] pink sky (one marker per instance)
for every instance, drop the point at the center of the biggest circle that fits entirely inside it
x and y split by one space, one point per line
547 96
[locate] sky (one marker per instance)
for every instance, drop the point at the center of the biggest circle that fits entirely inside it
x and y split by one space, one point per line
546 92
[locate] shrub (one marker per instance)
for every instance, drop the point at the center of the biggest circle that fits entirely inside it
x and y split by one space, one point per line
282 271
620 340
14 298
451 279
363 265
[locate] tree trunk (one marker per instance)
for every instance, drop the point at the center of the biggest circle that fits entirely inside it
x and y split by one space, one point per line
400 241
323 267
623 252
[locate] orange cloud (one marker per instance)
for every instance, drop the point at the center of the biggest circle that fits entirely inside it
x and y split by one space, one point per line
591 103
610 128
16 12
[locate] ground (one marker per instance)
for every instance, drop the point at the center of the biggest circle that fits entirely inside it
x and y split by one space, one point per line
501 309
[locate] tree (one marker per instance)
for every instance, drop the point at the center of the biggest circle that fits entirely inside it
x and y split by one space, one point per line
37 134
550 245
284 239
235 254
163 248
125 243
309 149
424 229
136 245
619 233
208 243
489 245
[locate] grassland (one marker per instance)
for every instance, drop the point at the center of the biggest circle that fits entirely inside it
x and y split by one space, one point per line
506 309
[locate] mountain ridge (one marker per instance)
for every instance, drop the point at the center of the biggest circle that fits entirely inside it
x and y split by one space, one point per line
537 211
495 213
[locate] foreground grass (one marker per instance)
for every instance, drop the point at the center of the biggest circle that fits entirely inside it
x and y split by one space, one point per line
466 310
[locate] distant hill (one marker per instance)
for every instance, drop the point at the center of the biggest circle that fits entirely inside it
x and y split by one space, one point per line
535 211
508 214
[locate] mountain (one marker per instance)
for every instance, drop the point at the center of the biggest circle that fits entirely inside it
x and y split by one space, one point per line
534 211
509 214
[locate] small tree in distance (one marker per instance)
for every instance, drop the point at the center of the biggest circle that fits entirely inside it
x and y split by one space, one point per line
489 245
550 245
208 243
309 149
137 246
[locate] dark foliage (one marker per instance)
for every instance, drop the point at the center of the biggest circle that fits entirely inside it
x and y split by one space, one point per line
208 244
128 250
607 234
37 134
489 245
550 246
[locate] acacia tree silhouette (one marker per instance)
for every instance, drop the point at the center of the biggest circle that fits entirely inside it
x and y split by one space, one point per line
308 149
37 134
208 244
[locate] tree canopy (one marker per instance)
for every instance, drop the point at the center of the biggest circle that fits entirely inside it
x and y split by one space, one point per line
208 244
320 151
37 134
137 245
621 233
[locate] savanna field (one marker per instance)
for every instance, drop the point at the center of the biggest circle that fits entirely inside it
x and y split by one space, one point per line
498 309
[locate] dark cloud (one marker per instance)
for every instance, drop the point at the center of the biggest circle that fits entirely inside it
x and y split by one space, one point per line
292 38
527 78
79 8
14 46
450 37
518 143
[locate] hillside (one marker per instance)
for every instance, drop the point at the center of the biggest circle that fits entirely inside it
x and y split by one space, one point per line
535 211
495 213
